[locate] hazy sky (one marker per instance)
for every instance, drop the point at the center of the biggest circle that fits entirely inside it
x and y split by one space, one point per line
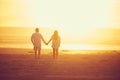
60 13
76 20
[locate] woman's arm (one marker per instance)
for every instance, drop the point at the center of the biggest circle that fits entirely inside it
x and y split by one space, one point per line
50 40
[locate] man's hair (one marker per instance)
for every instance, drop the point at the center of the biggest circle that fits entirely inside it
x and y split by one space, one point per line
37 29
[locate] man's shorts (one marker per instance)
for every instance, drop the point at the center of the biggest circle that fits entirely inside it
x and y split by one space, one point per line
37 47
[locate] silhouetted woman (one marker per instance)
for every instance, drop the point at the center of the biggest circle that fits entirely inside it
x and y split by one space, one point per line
55 43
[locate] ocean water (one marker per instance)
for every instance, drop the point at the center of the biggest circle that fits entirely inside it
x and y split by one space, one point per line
20 38
62 46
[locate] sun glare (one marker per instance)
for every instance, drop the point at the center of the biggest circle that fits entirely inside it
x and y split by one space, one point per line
73 13
78 21
78 47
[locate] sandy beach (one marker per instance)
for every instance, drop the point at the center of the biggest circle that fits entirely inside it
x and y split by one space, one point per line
20 64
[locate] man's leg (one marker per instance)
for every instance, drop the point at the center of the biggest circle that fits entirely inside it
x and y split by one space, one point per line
35 53
39 53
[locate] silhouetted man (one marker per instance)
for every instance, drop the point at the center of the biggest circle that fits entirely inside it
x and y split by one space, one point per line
36 40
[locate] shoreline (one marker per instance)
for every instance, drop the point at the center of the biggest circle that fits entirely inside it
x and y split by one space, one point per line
46 51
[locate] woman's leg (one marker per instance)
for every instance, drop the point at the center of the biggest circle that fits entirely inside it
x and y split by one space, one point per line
56 53
53 53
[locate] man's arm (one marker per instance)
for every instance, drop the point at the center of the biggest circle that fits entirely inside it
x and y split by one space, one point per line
43 39
32 40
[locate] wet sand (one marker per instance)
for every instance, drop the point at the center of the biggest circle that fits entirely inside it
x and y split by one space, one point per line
20 64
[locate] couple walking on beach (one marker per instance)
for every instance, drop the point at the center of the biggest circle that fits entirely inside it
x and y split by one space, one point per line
36 41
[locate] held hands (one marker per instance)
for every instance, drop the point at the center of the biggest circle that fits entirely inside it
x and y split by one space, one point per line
46 43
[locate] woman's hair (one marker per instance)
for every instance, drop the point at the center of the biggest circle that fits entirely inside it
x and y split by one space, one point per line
55 34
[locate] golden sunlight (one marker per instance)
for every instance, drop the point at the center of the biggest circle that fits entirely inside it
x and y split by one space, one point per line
74 13
59 39
79 47
83 22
